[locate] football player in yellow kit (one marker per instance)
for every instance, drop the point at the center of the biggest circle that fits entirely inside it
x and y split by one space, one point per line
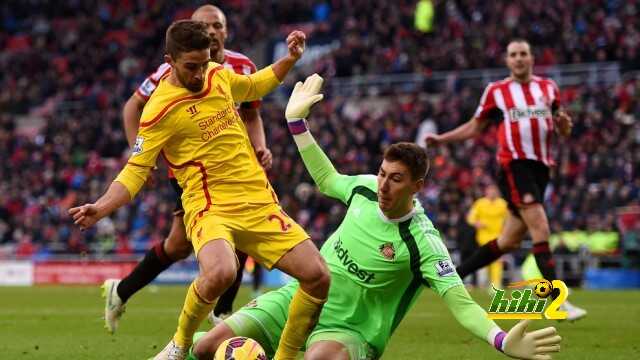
191 119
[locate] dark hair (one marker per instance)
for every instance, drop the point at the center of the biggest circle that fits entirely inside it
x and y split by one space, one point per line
186 35
411 155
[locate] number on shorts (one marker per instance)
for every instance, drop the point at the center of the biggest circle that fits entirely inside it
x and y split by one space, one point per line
284 226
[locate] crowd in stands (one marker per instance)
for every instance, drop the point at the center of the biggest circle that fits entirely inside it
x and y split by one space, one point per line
74 64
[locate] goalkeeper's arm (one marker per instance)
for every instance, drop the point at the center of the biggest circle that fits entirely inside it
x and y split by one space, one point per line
303 97
536 345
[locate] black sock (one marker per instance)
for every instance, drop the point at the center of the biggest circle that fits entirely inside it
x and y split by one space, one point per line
546 264
257 276
155 261
485 255
225 302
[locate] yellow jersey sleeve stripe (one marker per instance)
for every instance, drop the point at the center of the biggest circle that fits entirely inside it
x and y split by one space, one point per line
175 102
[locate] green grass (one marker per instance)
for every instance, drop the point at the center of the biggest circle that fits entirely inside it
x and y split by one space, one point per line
65 323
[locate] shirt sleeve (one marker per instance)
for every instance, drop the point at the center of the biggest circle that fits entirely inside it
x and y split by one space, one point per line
150 140
469 314
487 109
251 68
150 83
555 93
252 87
329 181
435 264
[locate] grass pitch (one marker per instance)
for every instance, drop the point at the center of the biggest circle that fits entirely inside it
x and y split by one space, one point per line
66 323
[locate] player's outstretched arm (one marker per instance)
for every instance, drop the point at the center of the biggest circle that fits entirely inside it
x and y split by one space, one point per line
536 345
257 85
465 131
87 215
303 97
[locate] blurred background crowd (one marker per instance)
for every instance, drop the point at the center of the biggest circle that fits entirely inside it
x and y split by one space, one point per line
66 69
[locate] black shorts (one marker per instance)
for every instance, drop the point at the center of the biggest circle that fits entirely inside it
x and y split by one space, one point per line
523 182
179 210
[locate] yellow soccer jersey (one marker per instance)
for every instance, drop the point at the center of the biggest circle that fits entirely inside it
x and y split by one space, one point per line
204 141
491 214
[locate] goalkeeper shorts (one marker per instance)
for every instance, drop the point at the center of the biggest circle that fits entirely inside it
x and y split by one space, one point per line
263 320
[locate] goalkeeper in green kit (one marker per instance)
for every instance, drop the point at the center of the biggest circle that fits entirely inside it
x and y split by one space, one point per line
382 255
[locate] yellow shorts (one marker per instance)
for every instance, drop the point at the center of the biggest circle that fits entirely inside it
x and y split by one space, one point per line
263 231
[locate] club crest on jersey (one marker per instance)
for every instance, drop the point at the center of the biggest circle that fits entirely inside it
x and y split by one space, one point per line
388 251
192 110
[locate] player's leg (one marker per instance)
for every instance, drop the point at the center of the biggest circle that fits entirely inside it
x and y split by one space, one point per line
531 179
224 306
212 241
327 350
337 345
513 232
157 259
271 237
217 263
262 320
538 225
160 257
218 266
304 263
536 220
257 279
495 273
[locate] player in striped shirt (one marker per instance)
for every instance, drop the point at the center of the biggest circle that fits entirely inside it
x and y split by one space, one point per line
526 109
176 247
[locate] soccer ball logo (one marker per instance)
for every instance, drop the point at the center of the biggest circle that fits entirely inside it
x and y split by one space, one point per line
240 348
543 289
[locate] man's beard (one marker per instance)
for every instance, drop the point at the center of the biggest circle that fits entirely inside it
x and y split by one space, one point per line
193 86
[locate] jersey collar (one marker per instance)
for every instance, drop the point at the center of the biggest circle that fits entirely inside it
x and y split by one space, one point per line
406 217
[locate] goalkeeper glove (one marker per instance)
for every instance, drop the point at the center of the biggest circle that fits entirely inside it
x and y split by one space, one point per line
304 95
535 345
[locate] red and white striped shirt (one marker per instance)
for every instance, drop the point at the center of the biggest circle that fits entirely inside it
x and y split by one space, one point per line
235 61
525 114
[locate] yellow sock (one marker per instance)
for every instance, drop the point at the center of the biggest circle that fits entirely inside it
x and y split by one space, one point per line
304 311
495 273
194 310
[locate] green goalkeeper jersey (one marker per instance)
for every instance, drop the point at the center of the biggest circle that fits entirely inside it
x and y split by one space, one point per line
378 266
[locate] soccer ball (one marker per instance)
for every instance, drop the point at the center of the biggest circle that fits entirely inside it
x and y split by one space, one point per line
240 348
543 289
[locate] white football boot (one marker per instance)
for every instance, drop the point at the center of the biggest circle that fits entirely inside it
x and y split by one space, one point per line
573 312
113 306
172 352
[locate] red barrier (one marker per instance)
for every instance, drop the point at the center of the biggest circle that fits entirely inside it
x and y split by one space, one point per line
82 273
